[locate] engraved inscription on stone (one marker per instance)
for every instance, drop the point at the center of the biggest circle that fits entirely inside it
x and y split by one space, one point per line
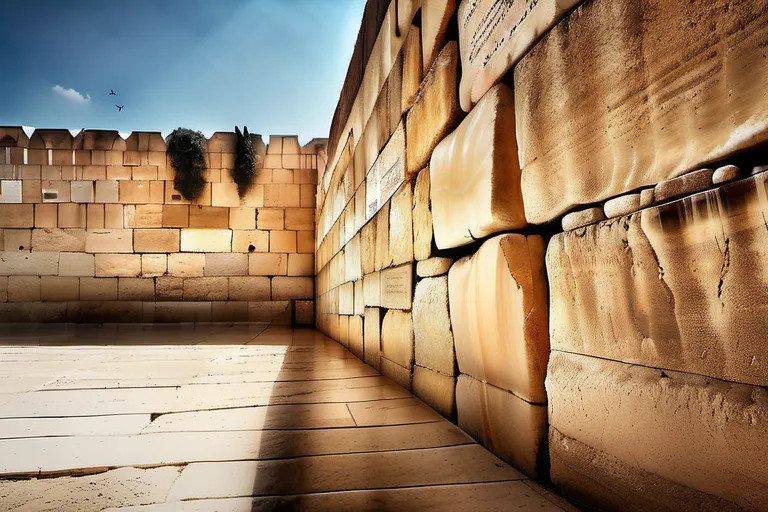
397 287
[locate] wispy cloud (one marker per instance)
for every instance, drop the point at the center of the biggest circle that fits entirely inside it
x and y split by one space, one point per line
71 94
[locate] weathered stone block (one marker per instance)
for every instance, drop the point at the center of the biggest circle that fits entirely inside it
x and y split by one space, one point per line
397 287
397 338
355 335
432 326
435 20
301 265
285 288
347 299
113 216
186 265
695 431
208 217
168 288
118 265
46 215
77 264
17 240
581 218
148 216
29 264
436 110
436 389
267 264
153 265
61 240
305 312
422 217
135 288
206 288
175 216
475 175
206 240
627 79
510 427
72 215
109 241
282 241
23 288
498 303
233 264
679 286
372 337
433 267
134 192
401 225
242 218
156 240
249 288
372 289
95 288
82 191
94 216
270 218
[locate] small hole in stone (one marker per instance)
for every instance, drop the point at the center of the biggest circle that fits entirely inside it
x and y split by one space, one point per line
21 247
251 248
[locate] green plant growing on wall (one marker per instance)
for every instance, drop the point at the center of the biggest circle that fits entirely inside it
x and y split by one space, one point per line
244 170
187 151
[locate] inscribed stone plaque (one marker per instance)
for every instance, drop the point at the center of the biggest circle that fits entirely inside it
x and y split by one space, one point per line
495 34
397 287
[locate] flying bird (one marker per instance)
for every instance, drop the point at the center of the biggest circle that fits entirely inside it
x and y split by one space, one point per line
119 107
112 92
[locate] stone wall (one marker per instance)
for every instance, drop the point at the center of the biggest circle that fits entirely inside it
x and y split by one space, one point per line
93 230
547 219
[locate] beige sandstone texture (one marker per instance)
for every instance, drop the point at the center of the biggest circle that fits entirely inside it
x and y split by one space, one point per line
494 35
682 286
436 110
435 19
475 175
512 428
695 431
606 107
498 304
436 389
432 326
598 479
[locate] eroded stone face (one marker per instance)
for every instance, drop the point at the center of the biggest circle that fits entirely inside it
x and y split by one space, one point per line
692 430
605 108
475 175
498 304
494 35
432 326
681 286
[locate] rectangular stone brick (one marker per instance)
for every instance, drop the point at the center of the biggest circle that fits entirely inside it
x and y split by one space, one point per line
268 264
436 390
397 287
31 191
72 215
422 216
208 217
301 265
23 288
475 175
434 348
249 288
134 192
186 265
94 216
17 215
242 218
154 265
175 216
135 288
286 288
282 241
46 215
118 265
109 241
82 191
29 263
144 172
250 241
270 218
118 172
156 240
206 288
305 241
10 191
91 172
206 240
59 289
300 219
77 264
224 194
17 240
233 264
113 216
156 192
95 288
148 216
499 315
372 337
401 225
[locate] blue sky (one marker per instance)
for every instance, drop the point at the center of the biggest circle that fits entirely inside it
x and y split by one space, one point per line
274 65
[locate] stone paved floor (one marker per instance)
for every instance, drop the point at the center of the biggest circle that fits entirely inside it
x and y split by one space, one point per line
220 418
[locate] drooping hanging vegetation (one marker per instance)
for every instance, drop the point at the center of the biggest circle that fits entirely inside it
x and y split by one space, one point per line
244 171
187 151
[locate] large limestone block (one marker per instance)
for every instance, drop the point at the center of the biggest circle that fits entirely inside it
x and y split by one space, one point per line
696 431
475 175
432 326
606 107
355 335
436 389
436 110
494 35
512 428
401 225
601 480
372 337
498 303
681 286
397 338
396 287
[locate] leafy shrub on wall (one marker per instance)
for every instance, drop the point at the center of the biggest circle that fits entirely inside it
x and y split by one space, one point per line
244 171
186 149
